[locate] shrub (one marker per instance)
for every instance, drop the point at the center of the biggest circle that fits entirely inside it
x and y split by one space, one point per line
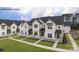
64 39
1 49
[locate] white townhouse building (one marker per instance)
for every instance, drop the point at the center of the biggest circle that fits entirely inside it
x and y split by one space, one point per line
3 31
9 27
47 28
50 27
24 29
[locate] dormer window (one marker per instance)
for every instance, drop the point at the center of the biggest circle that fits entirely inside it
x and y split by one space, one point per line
3 26
13 26
49 25
35 26
58 27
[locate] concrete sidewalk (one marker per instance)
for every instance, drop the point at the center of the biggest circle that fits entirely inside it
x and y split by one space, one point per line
38 41
41 46
74 45
55 44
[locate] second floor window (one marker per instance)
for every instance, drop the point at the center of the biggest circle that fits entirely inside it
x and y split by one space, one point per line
49 25
13 26
36 26
3 26
58 27
3 33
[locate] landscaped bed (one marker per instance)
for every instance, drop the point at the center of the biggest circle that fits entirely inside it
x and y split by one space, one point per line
65 46
46 43
14 46
18 37
5 37
33 40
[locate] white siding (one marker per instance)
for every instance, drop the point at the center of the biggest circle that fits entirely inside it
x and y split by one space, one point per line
36 29
51 31
3 30
13 29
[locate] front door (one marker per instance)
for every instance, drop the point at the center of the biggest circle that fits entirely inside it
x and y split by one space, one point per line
57 35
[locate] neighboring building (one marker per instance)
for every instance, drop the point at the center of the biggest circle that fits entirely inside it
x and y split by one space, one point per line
8 27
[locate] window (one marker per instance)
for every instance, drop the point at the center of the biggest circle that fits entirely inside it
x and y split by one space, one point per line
49 35
21 26
74 18
3 33
58 27
3 26
21 32
13 26
25 33
35 33
35 25
25 26
49 25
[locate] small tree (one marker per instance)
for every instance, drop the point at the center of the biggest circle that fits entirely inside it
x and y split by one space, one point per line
64 39
1 49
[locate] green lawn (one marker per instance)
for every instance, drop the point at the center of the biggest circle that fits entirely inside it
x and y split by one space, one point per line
76 40
33 40
65 46
46 43
14 46
18 37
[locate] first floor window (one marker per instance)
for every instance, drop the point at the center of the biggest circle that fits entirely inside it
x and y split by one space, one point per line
21 32
49 35
35 33
3 33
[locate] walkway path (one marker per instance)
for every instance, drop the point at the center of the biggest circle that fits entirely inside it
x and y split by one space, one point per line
55 44
38 41
75 46
41 46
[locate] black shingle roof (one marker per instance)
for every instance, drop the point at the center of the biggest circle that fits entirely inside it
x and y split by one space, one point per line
59 20
30 22
10 22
